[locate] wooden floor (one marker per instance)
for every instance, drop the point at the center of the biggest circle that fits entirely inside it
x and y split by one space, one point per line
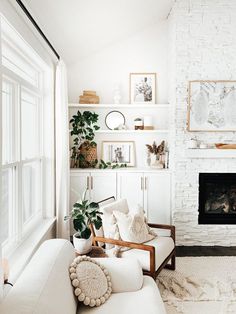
205 251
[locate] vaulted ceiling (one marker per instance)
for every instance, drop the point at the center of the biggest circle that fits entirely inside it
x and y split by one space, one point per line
78 28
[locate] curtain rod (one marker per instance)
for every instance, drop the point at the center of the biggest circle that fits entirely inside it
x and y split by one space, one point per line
32 20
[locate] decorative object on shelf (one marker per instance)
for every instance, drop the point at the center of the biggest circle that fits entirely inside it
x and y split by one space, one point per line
84 151
138 124
212 106
142 88
83 214
158 154
193 143
116 94
203 145
119 152
108 165
147 123
89 97
115 120
225 146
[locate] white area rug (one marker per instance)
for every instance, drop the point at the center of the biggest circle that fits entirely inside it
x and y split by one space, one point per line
200 285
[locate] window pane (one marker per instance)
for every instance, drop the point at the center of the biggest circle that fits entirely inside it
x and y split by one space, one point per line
13 60
30 141
7 121
7 195
30 190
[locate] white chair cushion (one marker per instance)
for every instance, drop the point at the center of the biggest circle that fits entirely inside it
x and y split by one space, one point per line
146 300
163 247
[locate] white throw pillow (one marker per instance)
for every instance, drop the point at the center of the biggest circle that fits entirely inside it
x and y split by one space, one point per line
133 227
91 281
110 228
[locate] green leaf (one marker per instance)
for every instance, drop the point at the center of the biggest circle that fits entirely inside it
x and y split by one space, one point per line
86 233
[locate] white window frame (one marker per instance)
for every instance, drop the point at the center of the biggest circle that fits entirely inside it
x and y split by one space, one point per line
18 231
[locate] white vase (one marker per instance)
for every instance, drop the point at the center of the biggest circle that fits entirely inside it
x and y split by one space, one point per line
82 246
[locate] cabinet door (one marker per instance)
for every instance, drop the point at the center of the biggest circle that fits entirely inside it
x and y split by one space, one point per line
102 185
157 197
78 183
131 187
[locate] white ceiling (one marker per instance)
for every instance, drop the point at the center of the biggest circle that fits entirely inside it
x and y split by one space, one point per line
77 28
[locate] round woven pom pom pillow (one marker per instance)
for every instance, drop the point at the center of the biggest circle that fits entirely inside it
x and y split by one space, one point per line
91 281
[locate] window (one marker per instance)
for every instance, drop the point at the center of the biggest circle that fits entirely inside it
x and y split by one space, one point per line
27 160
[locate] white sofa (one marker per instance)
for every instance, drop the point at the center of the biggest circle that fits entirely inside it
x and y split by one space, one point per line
45 288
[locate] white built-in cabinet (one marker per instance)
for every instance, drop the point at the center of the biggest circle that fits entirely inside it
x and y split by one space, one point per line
99 185
149 189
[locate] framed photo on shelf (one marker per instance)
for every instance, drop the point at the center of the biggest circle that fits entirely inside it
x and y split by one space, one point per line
212 106
142 88
119 152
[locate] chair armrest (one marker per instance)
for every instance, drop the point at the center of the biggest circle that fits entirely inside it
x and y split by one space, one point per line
132 245
160 226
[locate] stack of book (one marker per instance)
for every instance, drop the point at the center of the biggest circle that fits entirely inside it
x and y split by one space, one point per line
89 97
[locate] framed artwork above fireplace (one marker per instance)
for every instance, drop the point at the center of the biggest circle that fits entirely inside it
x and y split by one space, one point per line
212 106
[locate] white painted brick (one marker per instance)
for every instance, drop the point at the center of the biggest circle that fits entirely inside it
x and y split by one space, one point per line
203 45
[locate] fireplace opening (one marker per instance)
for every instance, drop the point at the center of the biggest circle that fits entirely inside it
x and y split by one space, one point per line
217 198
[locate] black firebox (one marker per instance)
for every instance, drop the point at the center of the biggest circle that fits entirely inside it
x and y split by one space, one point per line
217 198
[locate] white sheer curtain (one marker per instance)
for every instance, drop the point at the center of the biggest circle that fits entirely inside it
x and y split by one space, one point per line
62 151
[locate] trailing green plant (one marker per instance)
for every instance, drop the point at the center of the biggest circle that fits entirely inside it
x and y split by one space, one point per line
105 165
84 214
84 126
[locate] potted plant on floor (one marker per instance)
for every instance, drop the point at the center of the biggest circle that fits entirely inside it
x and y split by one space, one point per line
84 151
84 214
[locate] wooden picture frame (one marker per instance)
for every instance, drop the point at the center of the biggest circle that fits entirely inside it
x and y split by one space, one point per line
211 106
142 88
119 152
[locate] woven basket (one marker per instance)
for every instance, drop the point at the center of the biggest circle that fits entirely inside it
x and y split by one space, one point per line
90 155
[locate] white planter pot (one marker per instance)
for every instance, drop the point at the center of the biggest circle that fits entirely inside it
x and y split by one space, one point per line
82 246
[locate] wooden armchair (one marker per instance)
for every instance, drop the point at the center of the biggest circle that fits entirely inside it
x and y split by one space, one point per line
153 256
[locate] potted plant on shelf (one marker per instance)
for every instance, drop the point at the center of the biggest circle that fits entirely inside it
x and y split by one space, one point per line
84 214
84 151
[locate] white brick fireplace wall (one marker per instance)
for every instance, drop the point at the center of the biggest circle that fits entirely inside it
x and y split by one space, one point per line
202 46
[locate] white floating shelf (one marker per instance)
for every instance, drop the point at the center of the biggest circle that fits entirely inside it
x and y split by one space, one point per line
113 106
210 153
131 131
127 169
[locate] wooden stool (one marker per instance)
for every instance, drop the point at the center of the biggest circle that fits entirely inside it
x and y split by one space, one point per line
96 251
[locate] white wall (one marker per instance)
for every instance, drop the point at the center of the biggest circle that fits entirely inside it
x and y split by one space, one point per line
146 51
13 13
203 46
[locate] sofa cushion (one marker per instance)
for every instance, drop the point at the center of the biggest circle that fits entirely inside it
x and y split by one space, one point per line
110 228
132 227
146 300
126 274
163 247
44 287
92 281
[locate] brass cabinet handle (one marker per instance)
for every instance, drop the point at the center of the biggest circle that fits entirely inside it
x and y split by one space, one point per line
145 183
87 183
91 183
141 183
